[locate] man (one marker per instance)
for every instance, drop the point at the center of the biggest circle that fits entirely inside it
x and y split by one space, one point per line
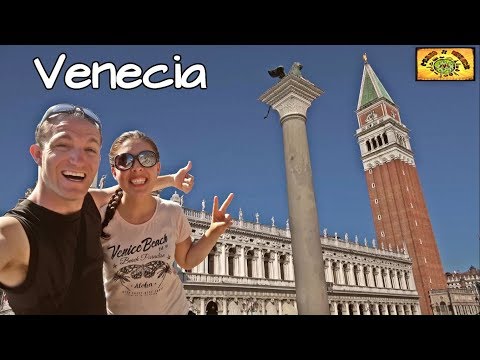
50 253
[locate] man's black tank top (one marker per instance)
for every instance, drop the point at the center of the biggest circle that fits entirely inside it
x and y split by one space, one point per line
65 268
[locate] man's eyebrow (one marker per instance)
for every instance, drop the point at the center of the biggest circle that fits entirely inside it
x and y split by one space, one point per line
95 140
64 136
67 136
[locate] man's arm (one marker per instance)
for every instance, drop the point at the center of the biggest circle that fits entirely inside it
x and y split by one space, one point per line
14 252
182 180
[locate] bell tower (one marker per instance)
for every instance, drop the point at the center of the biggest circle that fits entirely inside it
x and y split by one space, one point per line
398 207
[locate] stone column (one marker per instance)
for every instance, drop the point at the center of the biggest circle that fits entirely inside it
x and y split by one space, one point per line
340 273
400 310
261 266
408 309
224 304
416 309
255 263
276 265
216 262
387 279
291 97
366 309
236 263
239 257
370 270
403 283
384 310
456 310
392 309
222 260
360 276
202 306
395 283
349 274
271 268
378 277
333 307
411 282
291 274
336 276
328 271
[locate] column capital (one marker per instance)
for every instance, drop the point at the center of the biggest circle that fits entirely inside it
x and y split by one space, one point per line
292 95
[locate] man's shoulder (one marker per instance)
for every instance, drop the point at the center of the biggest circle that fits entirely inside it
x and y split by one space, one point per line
10 225
89 205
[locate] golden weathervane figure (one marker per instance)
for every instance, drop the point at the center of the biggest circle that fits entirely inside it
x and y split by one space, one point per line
365 58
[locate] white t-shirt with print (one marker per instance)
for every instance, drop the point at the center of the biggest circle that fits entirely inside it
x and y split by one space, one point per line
138 272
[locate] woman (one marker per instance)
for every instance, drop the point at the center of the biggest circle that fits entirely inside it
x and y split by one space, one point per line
143 235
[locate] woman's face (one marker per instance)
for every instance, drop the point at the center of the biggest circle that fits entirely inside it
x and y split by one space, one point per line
138 179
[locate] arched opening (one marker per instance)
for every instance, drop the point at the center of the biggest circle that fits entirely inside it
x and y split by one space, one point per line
231 258
369 147
211 261
345 274
340 309
382 309
443 308
249 263
282 264
266 259
379 139
356 275
374 143
351 309
212 308
385 138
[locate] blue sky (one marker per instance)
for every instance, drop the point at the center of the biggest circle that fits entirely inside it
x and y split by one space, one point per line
234 149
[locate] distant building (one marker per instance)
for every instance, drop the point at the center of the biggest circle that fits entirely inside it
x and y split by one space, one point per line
467 280
462 296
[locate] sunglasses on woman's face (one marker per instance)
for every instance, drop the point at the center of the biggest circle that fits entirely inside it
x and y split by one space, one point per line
125 161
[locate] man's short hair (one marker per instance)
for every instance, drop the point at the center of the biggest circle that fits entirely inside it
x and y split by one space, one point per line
58 112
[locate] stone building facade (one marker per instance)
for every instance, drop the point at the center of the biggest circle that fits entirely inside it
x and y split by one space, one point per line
469 279
250 271
462 296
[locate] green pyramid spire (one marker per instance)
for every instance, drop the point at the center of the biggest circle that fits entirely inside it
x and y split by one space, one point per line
371 88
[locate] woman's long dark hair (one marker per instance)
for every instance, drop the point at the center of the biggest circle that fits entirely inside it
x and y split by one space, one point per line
117 196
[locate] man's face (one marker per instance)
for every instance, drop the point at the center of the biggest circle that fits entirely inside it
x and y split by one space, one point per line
70 158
